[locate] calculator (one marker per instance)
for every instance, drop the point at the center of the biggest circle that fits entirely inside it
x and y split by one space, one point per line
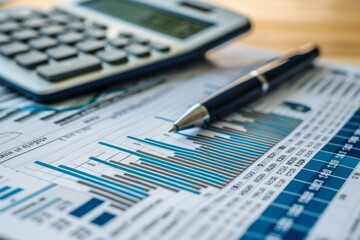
80 46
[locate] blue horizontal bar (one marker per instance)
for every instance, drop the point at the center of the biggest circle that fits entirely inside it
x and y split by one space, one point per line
11 193
3 189
86 207
103 219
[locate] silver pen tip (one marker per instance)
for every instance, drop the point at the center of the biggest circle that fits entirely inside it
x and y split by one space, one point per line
173 129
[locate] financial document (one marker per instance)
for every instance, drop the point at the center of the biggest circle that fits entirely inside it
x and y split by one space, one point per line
103 165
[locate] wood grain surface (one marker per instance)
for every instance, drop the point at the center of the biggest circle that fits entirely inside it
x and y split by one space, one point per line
283 24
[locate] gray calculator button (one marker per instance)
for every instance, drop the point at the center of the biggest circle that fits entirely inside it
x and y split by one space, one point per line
69 68
126 34
52 30
70 38
8 27
60 18
31 59
62 52
96 33
76 26
43 43
39 13
138 50
24 35
78 18
14 48
140 40
100 26
90 46
35 23
4 39
22 15
119 42
113 56
160 47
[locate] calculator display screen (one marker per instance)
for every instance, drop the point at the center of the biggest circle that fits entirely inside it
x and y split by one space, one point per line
150 17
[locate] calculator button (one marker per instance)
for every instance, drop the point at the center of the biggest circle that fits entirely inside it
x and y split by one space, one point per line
52 30
8 27
12 49
31 60
119 42
138 50
99 26
43 43
96 33
160 47
46 14
126 34
39 14
21 15
57 10
4 39
60 18
71 38
113 56
76 26
90 46
24 35
140 40
69 68
62 52
35 23
78 18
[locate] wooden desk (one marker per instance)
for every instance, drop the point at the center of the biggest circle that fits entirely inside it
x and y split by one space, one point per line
284 24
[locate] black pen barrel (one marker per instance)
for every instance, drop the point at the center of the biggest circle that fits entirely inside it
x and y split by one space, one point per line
253 85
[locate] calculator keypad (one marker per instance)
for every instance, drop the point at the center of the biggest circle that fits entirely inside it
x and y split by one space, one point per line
58 45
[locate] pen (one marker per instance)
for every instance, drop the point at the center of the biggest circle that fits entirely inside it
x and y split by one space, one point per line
248 88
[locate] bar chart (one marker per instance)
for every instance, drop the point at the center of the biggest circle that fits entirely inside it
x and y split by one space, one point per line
210 160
